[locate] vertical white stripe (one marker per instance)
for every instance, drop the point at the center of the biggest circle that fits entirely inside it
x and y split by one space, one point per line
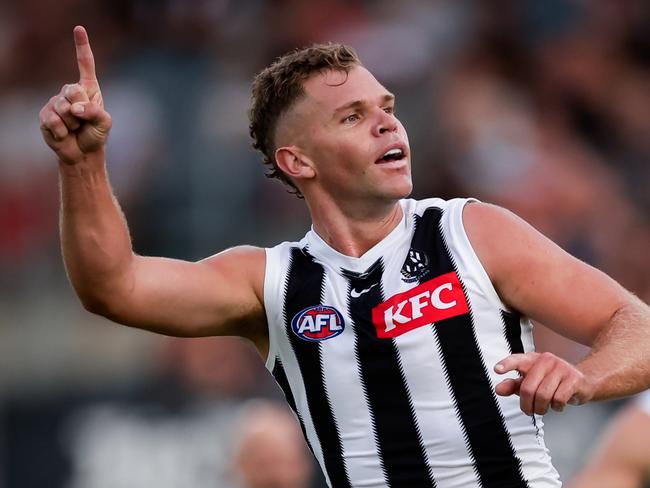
294 375
274 278
489 329
441 433
346 395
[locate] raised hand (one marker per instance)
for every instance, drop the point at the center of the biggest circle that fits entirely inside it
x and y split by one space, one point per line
545 381
73 122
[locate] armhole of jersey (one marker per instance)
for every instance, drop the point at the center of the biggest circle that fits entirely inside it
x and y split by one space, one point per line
271 301
464 248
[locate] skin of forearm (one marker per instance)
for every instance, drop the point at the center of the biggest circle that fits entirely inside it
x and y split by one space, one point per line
95 240
618 362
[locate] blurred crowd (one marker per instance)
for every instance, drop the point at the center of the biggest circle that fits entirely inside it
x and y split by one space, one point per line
538 106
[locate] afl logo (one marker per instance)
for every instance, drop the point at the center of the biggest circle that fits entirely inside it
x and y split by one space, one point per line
318 323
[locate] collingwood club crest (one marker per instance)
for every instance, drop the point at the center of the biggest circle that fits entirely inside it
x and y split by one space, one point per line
415 266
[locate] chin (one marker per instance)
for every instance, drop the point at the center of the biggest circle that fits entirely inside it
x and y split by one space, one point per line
399 190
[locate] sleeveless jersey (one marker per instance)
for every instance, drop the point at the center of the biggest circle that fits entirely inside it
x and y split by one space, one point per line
387 359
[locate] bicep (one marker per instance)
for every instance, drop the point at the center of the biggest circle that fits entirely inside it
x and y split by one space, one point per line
536 277
221 295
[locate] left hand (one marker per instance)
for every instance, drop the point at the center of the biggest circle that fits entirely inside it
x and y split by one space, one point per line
546 380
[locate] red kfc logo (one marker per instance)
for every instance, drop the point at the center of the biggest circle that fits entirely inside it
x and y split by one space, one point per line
435 300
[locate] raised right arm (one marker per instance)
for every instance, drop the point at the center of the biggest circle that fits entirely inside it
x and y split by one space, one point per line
221 295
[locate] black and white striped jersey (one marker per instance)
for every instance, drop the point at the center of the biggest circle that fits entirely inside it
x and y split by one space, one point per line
387 359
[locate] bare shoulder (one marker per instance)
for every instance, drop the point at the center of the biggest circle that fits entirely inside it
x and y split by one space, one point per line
239 271
241 263
535 276
498 236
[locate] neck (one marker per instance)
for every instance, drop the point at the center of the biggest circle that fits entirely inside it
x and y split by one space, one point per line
354 233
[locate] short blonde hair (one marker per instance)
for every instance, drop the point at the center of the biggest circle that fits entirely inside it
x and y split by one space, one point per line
277 87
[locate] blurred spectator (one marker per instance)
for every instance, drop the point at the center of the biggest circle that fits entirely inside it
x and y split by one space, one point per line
622 457
270 451
172 430
538 106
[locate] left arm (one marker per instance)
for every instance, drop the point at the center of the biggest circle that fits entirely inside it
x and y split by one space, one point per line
536 277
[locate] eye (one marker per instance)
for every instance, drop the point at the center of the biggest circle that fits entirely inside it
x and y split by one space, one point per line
351 118
389 110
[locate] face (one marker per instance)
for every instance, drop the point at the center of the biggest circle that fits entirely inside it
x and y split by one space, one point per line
349 134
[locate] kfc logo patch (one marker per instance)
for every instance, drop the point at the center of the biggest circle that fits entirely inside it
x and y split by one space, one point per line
432 301
318 323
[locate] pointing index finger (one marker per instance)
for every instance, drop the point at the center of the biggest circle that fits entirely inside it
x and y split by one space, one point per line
85 59
519 361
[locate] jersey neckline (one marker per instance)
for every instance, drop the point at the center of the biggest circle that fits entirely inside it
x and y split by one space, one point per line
318 248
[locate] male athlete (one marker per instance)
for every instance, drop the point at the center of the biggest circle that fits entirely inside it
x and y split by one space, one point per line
389 325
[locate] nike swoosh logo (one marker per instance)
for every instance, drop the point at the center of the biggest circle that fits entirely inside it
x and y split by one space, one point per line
356 294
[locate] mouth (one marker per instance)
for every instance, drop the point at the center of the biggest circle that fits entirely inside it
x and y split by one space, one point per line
395 155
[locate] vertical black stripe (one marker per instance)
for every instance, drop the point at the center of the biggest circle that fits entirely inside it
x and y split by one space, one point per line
512 321
283 382
397 436
512 329
496 464
304 289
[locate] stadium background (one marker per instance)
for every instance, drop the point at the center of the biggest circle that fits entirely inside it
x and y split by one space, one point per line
539 106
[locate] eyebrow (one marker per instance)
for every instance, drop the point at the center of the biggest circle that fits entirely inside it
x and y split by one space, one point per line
389 97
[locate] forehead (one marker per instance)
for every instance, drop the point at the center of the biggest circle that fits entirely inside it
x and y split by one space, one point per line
331 89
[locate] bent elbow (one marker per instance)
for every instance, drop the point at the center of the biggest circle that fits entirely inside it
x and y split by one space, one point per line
104 305
95 304
103 297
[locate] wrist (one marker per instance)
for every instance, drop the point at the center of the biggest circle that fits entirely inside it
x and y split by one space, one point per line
87 164
594 380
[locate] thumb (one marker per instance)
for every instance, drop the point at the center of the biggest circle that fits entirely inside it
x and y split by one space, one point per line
508 387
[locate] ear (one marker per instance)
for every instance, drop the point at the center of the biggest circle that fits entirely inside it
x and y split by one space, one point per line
294 163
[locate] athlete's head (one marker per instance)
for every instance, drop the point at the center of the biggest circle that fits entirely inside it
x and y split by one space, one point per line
321 118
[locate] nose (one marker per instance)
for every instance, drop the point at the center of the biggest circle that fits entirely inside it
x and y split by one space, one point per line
385 123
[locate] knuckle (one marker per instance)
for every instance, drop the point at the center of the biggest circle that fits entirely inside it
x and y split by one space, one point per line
43 115
543 395
569 390
558 404
548 356
562 396
61 104
53 120
527 389
74 91
572 381
541 401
